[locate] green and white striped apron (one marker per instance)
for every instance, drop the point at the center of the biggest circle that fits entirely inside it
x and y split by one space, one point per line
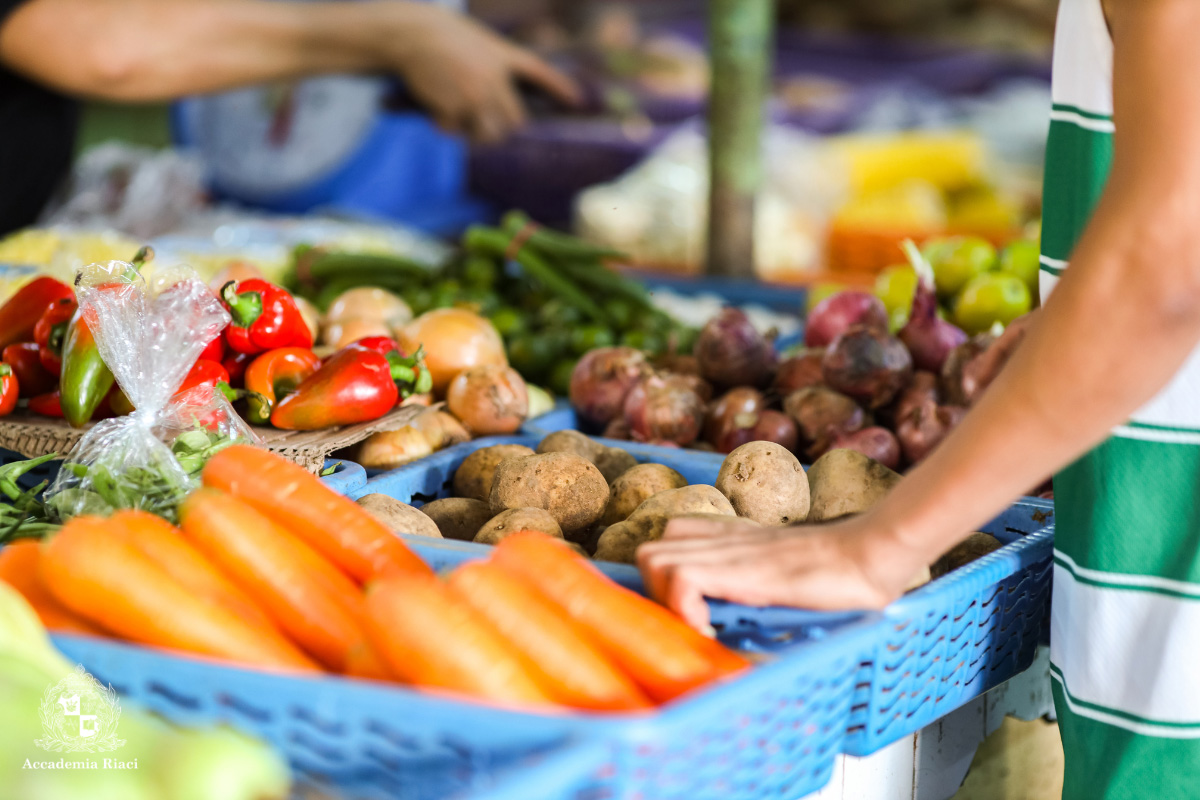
1125 640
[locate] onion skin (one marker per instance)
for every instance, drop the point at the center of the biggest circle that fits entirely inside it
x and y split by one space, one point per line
925 427
952 371
489 399
731 352
602 380
680 365
721 413
662 409
979 372
799 372
868 365
454 339
821 415
617 429
874 442
922 387
837 313
928 337
767 425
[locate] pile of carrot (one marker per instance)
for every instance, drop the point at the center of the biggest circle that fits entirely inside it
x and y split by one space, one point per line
272 570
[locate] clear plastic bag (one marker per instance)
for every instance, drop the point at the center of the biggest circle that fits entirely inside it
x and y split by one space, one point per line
149 336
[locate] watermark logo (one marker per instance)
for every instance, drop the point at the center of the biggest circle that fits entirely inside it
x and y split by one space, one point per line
80 716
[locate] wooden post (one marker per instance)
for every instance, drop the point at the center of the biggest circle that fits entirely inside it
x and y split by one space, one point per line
740 45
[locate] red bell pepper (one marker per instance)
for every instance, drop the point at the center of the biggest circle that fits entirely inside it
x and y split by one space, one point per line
273 375
354 385
235 364
22 311
10 390
51 330
214 350
202 373
32 377
265 317
381 344
48 404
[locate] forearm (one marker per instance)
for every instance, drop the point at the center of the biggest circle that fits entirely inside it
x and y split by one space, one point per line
142 50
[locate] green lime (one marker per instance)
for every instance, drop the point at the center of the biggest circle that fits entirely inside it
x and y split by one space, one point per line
1022 259
533 355
560 378
589 337
990 298
895 286
958 259
508 321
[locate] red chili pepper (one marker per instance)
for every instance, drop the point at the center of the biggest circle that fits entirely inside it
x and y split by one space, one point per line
214 350
265 317
202 373
51 330
22 311
26 364
235 364
48 405
381 344
273 375
354 385
10 390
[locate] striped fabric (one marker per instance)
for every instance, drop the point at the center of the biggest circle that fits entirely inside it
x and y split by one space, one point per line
1125 638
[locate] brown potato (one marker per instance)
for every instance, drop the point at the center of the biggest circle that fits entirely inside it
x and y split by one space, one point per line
637 485
399 517
977 545
458 517
620 542
765 482
474 476
696 499
613 463
571 442
515 520
565 484
846 482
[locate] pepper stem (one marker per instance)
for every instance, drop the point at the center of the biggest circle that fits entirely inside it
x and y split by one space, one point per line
245 308
411 373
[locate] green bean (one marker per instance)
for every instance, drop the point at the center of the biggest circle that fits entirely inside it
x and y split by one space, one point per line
552 243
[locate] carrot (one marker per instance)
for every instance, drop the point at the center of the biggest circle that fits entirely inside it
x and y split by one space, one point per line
19 568
165 545
364 661
311 600
331 524
111 583
430 637
575 670
657 649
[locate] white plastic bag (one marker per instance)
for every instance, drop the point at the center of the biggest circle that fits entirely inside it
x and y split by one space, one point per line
149 337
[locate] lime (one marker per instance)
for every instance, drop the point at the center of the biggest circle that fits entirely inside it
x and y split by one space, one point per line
895 286
589 337
560 378
958 259
1021 258
508 321
990 298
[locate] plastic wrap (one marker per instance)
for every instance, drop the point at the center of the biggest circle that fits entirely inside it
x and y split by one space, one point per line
149 336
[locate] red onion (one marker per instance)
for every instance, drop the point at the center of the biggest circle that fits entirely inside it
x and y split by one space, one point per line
664 408
767 425
732 352
979 372
616 429
799 372
723 410
680 365
867 364
821 414
922 387
925 427
602 379
926 335
837 313
875 442
956 363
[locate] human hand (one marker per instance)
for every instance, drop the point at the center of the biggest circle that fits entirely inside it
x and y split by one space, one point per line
843 565
465 74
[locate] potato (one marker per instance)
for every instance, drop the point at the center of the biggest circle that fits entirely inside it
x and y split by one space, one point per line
977 545
613 463
620 542
391 449
637 485
844 482
765 482
571 442
474 476
515 520
697 499
458 517
565 484
399 517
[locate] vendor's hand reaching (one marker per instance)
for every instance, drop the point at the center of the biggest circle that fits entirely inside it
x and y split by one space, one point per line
465 74
842 565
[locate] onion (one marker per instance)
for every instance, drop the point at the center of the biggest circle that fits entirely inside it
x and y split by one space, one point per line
837 313
540 401
732 352
799 371
978 372
680 365
489 399
369 302
867 364
235 270
343 332
767 425
454 340
922 387
925 427
617 429
926 335
391 449
875 442
821 415
312 317
601 381
720 417
664 408
452 429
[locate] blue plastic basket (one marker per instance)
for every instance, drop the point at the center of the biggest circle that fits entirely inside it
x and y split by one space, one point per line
772 732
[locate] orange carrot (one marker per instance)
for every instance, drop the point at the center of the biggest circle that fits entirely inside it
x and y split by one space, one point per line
111 583
364 661
311 600
19 568
331 524
656 648
430 637
165 545
575 670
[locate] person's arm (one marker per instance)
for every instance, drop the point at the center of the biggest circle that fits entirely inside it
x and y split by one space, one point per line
1121 322
141 50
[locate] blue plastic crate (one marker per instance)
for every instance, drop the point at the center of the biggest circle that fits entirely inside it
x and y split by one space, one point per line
772 732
